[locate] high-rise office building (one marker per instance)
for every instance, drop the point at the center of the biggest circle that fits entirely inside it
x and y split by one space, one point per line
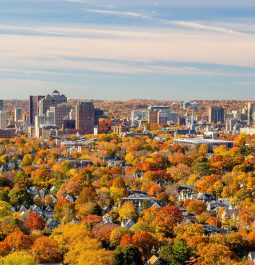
98 113
50 101
69 124
61 111
1 104
251 114
152 116
139 115
34 107
17 114
158 114
216 114
85 117
163 116
3 119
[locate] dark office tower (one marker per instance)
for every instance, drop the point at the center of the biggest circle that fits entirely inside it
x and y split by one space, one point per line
1 105
68 124
34 107
98 114
216 114
84 117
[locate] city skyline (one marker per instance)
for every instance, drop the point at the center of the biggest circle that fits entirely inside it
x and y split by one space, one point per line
111 50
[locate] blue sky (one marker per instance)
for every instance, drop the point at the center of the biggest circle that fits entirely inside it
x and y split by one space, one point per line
109 49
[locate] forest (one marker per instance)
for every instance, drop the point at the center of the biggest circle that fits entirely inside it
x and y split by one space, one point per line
138 200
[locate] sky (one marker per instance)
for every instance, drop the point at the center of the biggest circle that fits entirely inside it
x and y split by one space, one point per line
127 49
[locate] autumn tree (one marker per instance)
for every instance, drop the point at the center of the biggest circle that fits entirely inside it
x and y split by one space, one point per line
103 232
46 250
127 210
236 243
117 234
126 240
186 231
166 219
144 241
18 258
203 149
17 241
87 252
99 257
34 221
195 206
42 177
180 172
27 160
215 254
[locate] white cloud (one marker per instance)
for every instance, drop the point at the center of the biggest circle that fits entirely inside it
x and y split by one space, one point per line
119 50
199 26
168 45
118 13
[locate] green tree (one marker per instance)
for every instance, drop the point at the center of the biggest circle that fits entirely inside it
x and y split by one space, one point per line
19 196
180 251
129 255
176 254
201 167
4 209
166 255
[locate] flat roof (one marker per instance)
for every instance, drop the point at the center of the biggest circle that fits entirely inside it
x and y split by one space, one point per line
202 141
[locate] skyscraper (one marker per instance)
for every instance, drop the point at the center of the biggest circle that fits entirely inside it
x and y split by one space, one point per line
216 114
50 101
3 119
1 104
60 112
34 107
84 118
98 114
17 114
158 114
251 114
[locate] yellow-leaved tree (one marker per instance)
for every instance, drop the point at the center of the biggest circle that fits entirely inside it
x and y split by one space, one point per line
80 247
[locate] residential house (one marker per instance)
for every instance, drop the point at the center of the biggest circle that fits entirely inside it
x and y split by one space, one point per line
186 192
32 191
48 212
205 197
251 256
229 214
107 219
211 229
51 223
36 209
23 210
127 223
154 260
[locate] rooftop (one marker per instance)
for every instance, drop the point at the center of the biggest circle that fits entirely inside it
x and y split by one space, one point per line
202 141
